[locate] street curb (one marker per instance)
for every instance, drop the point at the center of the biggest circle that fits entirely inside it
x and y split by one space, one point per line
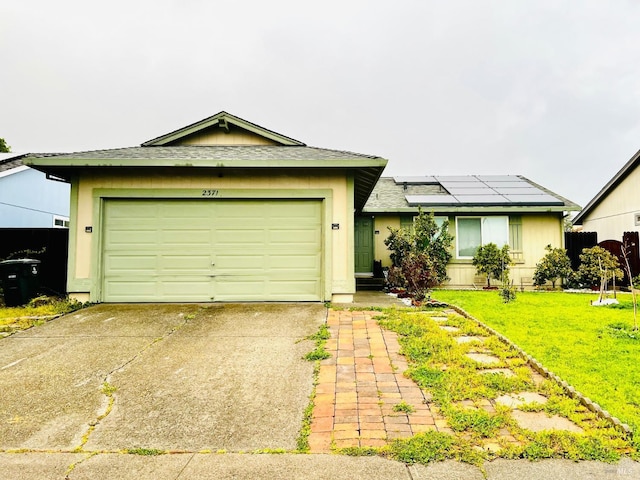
537 366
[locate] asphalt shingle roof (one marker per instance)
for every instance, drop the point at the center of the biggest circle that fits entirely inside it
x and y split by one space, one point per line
216 152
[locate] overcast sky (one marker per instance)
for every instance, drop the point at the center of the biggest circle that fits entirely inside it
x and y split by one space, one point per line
545 89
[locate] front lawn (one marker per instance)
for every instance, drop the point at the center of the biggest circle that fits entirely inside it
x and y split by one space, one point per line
592 348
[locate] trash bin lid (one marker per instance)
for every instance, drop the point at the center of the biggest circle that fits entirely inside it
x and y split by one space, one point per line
20 261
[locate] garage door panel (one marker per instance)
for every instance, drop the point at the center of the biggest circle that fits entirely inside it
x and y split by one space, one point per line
294 237
129 288
163 250
186 237
236 236
299 263
200 264
131 264
125 238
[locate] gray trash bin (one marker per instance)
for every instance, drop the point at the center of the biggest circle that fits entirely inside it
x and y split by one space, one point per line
20 280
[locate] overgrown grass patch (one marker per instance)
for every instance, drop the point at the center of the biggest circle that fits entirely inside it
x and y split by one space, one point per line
460 389
434 446
593 348
35 313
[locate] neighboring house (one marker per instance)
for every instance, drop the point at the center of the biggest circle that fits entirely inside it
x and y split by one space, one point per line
28 199
220 210
616 208
501 209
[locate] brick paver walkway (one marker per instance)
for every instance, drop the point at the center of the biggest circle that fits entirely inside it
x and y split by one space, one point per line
359 386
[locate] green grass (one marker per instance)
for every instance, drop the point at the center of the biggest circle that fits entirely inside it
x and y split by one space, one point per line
34 313
437 363
592 348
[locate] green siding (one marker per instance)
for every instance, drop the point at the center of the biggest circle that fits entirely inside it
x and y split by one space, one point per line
212 250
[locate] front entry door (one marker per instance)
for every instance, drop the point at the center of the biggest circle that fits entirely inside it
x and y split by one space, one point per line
364 244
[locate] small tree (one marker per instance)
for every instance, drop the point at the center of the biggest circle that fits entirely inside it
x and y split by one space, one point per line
420 255
4 148
491 261
553 266
598 266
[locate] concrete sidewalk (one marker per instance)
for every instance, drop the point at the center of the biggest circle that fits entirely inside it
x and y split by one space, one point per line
61 466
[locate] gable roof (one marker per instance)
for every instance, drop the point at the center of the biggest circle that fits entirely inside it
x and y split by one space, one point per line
617 179
222 120
471 193
283 153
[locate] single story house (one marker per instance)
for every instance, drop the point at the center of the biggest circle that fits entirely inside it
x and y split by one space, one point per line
501 209
28 199
616 208
219 210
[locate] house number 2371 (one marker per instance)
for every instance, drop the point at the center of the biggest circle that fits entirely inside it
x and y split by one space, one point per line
209 193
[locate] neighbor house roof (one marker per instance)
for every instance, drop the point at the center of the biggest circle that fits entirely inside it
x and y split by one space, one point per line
10 161
624 172
470 193
286 153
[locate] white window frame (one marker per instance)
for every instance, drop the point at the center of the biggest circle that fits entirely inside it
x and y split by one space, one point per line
482 235
60 218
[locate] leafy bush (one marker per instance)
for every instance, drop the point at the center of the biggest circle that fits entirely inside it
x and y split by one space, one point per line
492 261
419 255
598 266
553 266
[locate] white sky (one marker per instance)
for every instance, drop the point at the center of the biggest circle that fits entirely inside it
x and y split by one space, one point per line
548 89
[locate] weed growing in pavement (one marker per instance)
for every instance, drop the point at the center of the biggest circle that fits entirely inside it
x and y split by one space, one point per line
434 446
478 422
147 452
319 353
302 441
320 337
403 407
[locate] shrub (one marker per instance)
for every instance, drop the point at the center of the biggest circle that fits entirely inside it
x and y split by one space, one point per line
492 261
553 266
419 255
598 266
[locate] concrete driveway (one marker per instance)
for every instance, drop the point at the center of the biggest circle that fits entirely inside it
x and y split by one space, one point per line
171 377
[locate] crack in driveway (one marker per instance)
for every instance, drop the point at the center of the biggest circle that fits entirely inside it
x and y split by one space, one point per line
109 390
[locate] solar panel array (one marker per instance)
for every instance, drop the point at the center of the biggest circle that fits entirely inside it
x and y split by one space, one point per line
480 190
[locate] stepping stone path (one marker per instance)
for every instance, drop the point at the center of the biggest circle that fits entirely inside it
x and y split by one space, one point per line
514 400
469 339
503 371
449 329
539 421
483 358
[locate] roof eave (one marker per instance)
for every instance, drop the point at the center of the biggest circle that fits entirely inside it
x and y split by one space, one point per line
473 209
72 163
611 184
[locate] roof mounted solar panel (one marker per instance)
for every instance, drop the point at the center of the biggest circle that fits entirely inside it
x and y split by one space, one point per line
544 199
424 180
473 189
521 184
498 178
494 199
456 178
527 190
416 200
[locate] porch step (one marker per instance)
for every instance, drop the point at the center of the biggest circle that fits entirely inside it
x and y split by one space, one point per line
369 283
